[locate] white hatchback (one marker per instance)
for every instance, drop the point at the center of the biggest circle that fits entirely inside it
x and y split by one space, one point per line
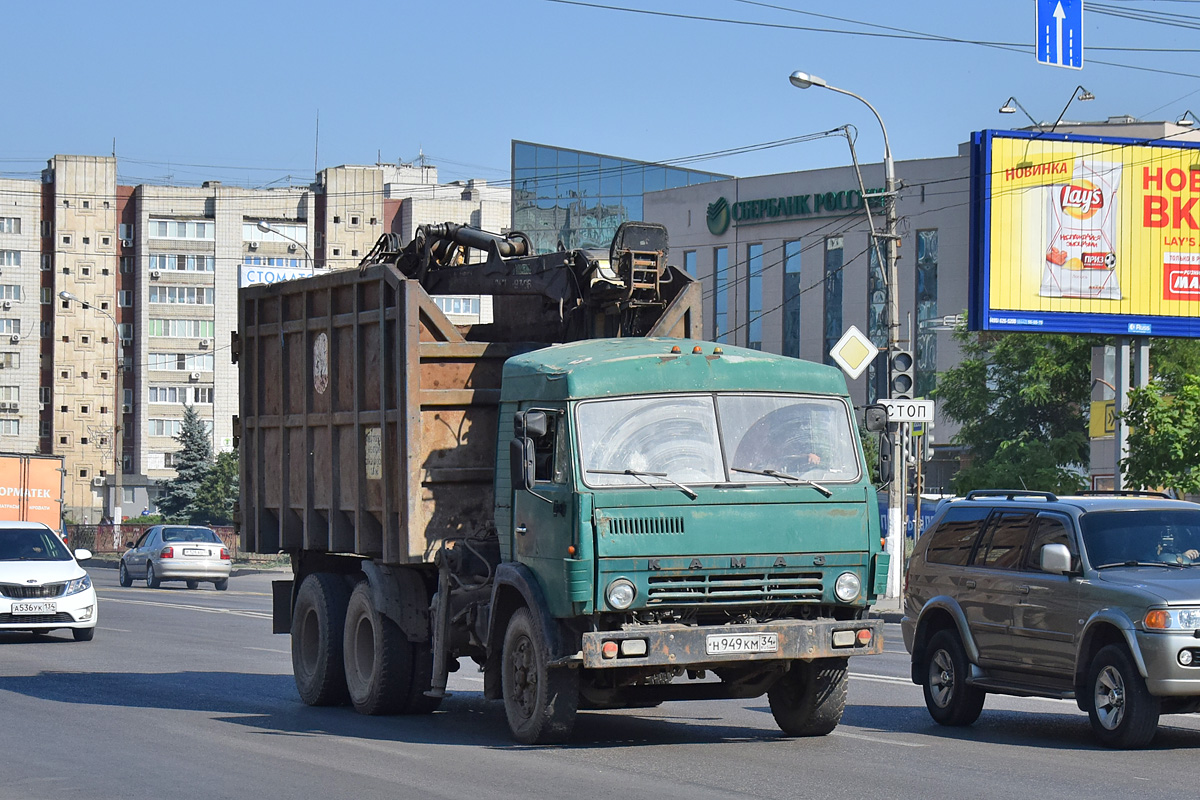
42 585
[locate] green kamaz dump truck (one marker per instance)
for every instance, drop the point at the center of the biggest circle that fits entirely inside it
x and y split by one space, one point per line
574 492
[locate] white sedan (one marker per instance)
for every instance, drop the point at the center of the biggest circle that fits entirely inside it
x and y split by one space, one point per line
42 585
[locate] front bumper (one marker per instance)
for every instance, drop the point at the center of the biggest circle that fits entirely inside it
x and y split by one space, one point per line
1165 676
78 610
684 645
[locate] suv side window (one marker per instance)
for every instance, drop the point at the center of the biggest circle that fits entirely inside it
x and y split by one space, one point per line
1003 545
1050 530
951 543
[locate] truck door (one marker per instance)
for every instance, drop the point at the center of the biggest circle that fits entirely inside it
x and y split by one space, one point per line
542 527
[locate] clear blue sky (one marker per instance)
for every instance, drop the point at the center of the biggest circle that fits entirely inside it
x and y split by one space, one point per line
232 91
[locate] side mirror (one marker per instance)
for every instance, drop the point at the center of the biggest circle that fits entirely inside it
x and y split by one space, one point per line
1056 559
521 463
886 468
875 418
83 554
128 545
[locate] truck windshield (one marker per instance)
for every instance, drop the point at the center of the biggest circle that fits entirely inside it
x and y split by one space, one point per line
680 439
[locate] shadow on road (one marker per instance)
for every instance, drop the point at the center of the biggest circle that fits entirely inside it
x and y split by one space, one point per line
269 704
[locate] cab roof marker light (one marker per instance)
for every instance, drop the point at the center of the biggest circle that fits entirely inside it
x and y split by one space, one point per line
676 349
697 350
717 351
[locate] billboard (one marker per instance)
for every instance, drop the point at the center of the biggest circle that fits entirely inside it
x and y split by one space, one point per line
1084 234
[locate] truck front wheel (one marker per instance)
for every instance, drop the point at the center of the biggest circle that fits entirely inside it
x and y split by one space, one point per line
809 699
540 702
318 622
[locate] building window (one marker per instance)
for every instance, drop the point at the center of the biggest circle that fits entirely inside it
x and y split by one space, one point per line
126 264
10 394
181 262
182 328
202 395
791 299
10 224
187 295
689 262
47 262
10 427
10 327
10 258
106 241
754 296
125 298
10 360
720 293
44 394
181 362
47 295
927 311
125 231
833 296
66 240
180 229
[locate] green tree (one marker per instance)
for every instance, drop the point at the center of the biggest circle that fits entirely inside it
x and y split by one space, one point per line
192 463
218 490
1020 399
1164 436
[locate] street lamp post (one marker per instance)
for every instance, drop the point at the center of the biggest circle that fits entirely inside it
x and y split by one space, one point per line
895 539
266 227
118 416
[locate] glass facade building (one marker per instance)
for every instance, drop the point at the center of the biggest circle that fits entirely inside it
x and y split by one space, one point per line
577 199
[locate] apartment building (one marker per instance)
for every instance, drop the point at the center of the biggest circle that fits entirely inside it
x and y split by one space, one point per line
94 274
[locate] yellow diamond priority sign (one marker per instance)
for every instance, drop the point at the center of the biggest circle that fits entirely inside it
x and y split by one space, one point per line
853 352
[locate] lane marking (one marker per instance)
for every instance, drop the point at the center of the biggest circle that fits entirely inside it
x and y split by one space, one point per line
269 650
115 630
184 607
876 739
865 676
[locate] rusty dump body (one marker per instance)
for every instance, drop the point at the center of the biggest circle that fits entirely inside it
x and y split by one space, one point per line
368 420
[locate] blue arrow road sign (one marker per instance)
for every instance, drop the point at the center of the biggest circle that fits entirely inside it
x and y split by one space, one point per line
1060 33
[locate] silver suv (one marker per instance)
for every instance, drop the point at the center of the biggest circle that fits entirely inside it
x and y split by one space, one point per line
1095 598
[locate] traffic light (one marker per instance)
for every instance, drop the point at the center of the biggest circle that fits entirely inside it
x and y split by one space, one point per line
900 375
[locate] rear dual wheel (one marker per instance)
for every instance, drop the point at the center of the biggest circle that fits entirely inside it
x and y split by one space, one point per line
385 672
318 623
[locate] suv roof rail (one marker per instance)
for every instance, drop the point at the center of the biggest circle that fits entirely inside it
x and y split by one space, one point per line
1009 494
1124 493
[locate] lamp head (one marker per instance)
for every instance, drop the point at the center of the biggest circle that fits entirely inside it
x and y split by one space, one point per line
264 226
1183 120
65 295
802 80
1007 108
1085 95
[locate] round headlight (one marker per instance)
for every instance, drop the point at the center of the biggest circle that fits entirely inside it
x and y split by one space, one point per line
1185 657
620 594
847 587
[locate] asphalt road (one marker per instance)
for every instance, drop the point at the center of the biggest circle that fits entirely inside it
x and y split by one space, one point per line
187 694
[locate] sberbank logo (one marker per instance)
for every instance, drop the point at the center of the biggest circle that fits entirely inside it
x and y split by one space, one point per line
718 216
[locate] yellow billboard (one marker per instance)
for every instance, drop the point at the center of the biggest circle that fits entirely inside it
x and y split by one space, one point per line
1085 234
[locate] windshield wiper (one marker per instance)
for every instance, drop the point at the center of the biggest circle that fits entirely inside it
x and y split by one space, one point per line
642 475
1141 564
783 476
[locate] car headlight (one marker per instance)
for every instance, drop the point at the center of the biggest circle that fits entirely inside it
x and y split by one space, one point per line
79 585
620 594
847 587
1173 619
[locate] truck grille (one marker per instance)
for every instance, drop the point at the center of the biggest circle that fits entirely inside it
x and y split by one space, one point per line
618 525
19 592
739 588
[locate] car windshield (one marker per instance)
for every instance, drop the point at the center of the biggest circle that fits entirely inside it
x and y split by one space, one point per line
716 438
32 545
190 535
1167 536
